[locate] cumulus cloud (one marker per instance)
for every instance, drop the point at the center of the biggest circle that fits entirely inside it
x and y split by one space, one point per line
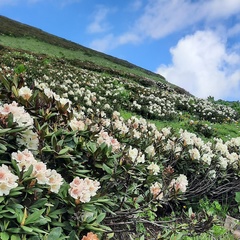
202 64
99 23
111 41
163 17
135 5
103 44
235 30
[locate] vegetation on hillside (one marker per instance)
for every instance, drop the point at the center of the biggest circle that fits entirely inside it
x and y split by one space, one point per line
90 154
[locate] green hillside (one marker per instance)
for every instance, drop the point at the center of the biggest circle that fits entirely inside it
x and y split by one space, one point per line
165 164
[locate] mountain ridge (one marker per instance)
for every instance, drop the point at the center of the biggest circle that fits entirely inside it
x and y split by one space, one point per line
12 27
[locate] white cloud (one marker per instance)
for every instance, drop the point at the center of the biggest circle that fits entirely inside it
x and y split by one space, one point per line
111 41
215 9
235 30
103 44
99 23
163 17
135 5
203 65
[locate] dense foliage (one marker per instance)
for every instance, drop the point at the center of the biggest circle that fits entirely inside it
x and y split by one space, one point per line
73 168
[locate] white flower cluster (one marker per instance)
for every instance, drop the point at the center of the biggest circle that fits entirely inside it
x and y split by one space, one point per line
83 189
93 89
109 140
25 92
44 176
28 137
135 155
78 125
178 185
7 180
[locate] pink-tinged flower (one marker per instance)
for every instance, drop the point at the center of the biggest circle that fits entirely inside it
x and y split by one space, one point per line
75 192
24 159
90 236
7 180
55 180
115 115
76 182
77 125
156 190
115 144
39 172
20 116
25 92
109 140
83 189
11 108
43 175
179 184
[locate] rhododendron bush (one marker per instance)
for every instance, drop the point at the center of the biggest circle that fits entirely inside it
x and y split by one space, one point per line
73 168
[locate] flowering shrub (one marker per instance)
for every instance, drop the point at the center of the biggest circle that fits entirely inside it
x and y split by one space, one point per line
83 189
72 167
7 180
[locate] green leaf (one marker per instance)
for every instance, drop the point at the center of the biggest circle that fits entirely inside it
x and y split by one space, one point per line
106 168
56 213
3 147
34 238
4 236
17 129
38 230
19 214
100 217
15 237
27 229
55 233
9 215
10 120
14 230
94 228
14 91
91 147
5 82
72 235
64 150
237 197
34 216
1 199
58 224
39 203
28 172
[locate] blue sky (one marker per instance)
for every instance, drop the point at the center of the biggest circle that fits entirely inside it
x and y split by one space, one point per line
195 44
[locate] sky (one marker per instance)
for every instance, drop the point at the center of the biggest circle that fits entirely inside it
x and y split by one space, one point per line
194 44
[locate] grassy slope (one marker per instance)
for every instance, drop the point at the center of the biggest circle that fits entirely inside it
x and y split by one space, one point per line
17 35
20 36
